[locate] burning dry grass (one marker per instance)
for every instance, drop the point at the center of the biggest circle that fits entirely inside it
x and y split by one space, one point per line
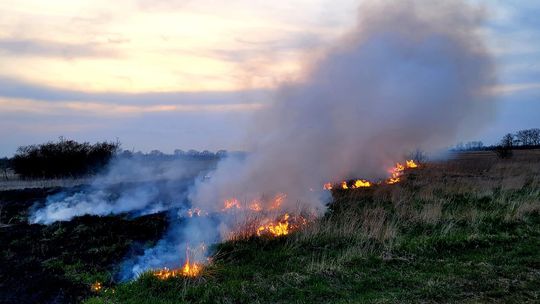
442 196
267 224
403 234
193 265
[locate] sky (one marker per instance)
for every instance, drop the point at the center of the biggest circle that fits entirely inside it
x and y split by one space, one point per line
184 74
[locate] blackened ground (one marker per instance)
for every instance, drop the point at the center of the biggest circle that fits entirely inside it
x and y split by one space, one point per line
57 263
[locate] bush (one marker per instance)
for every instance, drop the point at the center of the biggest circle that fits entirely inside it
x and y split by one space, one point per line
65 158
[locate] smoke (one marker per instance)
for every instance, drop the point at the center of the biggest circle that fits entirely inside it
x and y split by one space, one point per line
137 185
410 75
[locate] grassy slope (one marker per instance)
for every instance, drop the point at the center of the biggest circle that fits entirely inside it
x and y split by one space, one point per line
465 231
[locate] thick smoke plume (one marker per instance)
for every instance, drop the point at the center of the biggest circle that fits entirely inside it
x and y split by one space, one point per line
410 75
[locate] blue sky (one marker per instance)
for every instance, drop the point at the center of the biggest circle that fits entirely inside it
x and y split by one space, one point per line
190 74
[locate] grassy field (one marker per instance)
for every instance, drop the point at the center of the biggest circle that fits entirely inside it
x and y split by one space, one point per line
465 230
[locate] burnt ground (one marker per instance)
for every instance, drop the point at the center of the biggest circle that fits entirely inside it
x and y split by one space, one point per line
57 263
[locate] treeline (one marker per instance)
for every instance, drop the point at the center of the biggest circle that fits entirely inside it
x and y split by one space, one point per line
523 139
65 158
178 154
529 138
68 158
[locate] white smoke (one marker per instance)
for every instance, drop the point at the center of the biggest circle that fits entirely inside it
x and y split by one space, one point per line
139 185
410 75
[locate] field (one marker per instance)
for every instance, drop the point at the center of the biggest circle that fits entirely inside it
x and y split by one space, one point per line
462 230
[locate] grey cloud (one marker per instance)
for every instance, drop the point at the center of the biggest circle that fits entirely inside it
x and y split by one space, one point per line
44 48
14 88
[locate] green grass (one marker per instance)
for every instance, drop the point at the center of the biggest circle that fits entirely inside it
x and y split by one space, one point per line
377 246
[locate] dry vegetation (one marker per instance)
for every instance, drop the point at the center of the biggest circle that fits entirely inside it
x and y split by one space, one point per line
464 230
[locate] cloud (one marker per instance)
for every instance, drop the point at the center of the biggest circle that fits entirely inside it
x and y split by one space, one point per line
45 48
13 88
103 109
513 88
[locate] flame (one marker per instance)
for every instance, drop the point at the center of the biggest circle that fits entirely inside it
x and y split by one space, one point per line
96 286
255 206
398 170
230 203
361 183
411 164
395 177
189 269
277 201
282 226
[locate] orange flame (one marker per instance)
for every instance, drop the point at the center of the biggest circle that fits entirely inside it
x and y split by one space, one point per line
277 201
189 269
282 226
230 203
255 206
398 170
411 164
361 183
96 286
395 177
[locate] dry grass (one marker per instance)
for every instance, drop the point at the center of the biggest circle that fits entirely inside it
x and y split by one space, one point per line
469 189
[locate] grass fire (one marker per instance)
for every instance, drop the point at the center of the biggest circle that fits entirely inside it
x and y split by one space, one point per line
269 152
396 174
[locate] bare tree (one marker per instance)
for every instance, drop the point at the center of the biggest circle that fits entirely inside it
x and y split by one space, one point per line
508 140
524 137
504 150
535 136
418 156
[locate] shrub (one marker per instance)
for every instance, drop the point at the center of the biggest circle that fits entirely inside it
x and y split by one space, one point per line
65 158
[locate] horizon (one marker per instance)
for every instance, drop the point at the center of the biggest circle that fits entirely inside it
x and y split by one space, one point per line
180 75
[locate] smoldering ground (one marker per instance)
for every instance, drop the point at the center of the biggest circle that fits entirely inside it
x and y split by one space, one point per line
135 185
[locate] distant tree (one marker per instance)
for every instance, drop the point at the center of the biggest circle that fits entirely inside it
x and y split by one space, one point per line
126 154
5 164
418 156
206 153
179 152
221 153
508 140
193 153
504 149
474 145
529 137
522 137
65 158
156 153
535 136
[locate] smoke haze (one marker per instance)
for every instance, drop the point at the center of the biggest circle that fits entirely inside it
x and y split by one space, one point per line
409 75
136 185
